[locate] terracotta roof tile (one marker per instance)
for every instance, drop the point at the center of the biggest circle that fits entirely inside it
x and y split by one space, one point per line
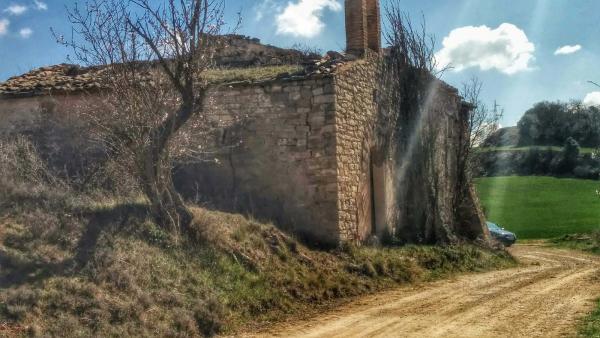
52 80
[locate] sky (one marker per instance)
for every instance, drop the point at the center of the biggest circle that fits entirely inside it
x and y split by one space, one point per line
524 51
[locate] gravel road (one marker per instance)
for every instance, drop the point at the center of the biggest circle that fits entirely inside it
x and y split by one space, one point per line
543 298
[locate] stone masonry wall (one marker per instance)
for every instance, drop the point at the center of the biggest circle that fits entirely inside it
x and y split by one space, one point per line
56 125
411 195
355 117
284 170
427 178
305 157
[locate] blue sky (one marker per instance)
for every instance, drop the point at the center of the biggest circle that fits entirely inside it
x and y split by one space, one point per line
514 54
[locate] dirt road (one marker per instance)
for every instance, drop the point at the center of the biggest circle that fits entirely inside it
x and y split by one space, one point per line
544 298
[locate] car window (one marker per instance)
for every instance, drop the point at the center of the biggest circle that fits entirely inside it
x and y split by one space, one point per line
493 226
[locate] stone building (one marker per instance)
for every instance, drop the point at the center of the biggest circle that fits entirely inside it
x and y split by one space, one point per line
306 159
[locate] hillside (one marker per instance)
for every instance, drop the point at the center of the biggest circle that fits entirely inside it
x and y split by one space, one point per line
503 137
106 273
83 260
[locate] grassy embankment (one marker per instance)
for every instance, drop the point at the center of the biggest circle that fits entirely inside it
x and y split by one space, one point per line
541 207
79 265
119 274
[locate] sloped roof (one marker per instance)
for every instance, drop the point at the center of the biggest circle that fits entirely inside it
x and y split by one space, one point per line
68 78
56 79
238 52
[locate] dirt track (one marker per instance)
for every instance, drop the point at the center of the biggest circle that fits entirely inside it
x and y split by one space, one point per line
545 298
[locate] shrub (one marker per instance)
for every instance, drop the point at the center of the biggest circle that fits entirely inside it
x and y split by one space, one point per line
20 301
209 314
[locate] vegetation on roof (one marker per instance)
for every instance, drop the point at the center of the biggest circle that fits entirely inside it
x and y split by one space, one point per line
70 78
249 74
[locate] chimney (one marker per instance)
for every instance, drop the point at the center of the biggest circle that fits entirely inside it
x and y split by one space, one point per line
363 26
374 26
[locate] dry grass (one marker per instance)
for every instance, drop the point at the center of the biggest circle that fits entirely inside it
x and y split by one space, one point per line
226 75
79 265
134 279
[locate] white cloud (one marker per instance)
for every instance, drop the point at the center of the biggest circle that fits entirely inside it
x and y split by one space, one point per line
4 26
16 9
592 99
506 49
263 8
40 5
26 32
564 50
303 18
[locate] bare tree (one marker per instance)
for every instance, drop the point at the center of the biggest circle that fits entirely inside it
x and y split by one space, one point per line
151 57
482 121
405 71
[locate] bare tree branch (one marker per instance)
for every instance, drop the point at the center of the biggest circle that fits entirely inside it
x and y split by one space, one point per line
151 58
482 121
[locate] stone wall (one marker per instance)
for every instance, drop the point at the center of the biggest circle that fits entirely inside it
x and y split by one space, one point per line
412 194
355 116
301 152
429 187
56 125
427 173
284 170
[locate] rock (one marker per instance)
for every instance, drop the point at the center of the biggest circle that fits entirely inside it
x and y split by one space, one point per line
350 57
335 55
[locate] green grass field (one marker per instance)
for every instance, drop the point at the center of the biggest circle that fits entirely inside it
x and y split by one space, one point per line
541 207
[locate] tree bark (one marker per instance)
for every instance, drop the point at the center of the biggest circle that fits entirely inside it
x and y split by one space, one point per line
167 206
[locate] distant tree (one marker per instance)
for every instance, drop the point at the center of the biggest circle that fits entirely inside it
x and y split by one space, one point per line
551 123
570 156
153 56
596 152
482 122
544 124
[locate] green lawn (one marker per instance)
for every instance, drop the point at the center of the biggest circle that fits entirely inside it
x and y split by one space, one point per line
541 207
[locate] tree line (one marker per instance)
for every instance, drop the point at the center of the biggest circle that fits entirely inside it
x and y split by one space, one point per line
553 123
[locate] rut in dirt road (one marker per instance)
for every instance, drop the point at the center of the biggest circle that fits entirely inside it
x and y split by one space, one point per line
543 298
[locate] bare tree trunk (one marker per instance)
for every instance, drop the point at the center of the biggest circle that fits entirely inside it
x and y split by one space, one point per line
152 57
167 205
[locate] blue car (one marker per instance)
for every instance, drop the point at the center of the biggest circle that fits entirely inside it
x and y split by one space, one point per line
501 235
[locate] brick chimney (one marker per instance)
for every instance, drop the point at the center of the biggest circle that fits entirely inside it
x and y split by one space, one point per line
363 26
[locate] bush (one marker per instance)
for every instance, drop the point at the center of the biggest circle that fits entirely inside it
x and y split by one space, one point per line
569 158
587 172
209 314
